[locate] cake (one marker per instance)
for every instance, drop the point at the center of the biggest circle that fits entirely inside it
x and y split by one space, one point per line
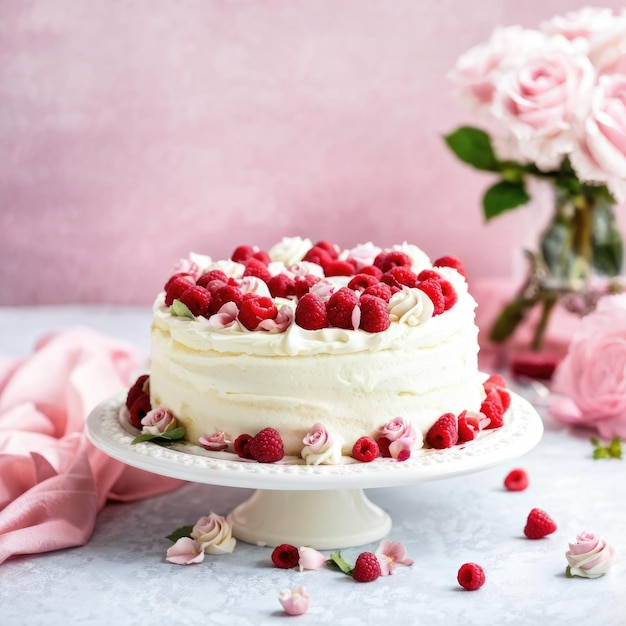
325 348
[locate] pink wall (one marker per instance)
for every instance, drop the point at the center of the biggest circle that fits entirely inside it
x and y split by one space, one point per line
132 132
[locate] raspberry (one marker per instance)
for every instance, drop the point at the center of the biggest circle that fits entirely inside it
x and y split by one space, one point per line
366 568
496 383
329 247
360 282
311 312
372 270
253 310
492 408
257 268
365 449
281 286
267 446
242 253
340 307
207 277
495 380
451 261
374 314
395 258
432 289
449 294
138 388
400 276
428 274
139 409
444 433
197 299
471 576
242 446
539 524
339 268
176 287
380 290
403 455
261 255
319 256
383 446
224 294
285 556
188 277
467 431
302 284
516 480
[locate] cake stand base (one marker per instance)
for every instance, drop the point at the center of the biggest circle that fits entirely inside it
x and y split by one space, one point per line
325 520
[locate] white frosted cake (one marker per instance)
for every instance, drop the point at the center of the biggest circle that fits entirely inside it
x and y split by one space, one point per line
321 346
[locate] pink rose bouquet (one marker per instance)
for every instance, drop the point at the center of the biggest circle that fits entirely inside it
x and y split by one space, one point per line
556 97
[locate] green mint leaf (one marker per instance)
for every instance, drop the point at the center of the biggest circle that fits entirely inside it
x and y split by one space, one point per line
184 531
341 563
568 572
179 309
503 196
163 439
473 146
600 453
615 448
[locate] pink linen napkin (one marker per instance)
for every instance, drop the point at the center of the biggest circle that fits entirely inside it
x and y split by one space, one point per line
53 481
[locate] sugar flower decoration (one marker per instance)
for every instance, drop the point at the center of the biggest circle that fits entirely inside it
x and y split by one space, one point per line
294 601
589 556
215 442
321 446
390 554
308 558
158 421
401 437
214 534
185 551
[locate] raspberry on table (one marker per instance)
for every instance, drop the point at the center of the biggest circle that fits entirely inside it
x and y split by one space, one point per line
444 433
285 556
267 446
253 310
241 446
516 480
197 299
340 307
311 312
451 261
432 288
366 568
471 576
374 314
365 449
539 524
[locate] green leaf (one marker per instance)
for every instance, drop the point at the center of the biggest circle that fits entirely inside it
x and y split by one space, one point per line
568 572
179 309
615 448
341 563
473 146
184 531
510 317
163 439
607 245
504 196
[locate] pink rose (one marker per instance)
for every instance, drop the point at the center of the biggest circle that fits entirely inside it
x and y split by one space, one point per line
318 438
321 447
185 552
158 421
225 317
541 98
590 556
294 601
601 152
308 558
592 376
280 323
390 554
401 435
214 534
215 442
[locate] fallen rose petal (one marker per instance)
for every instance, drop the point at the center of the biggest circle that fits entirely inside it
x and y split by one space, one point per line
294 601
310 558
185 552
390 554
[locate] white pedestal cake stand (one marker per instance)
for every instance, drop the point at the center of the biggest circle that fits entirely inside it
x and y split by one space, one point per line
319 506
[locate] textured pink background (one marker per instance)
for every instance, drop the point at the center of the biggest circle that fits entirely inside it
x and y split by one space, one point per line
132 132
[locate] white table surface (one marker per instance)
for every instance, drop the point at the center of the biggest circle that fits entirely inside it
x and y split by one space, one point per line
121 576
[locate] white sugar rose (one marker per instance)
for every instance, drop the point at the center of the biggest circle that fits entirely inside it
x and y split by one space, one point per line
589 556
157 421
410 306
255 285
213 533
290 250
321 447
362 254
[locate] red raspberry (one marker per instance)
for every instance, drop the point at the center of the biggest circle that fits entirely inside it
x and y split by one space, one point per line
197 299
444 433
449 294
188 277
207 277
366 568
224 294
360 282
138 388
374 314
311 312
365 449
471 576
467 431
516 480
372 270
403 455
242 446
329 247
302 284
432 289
339 268
451 261
495 380
257 268
496 383
380 290
428 274
395 258
285 556
261 255
383 446
175 288
340 307
281 286
492 408
139 409
253 310
401 276
242 253
319 256
539 524
267 446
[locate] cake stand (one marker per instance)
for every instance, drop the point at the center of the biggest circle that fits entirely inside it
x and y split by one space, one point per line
305 505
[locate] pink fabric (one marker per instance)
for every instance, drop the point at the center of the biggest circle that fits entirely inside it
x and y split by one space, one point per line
52 480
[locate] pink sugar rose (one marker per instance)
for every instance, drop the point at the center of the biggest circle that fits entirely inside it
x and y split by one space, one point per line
390 554
400 434
600 154
214 534
318 438
185 552
280 323
590 556
158 421
587 23
308 558
215 442
294 601
253 284
592 376
225 317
